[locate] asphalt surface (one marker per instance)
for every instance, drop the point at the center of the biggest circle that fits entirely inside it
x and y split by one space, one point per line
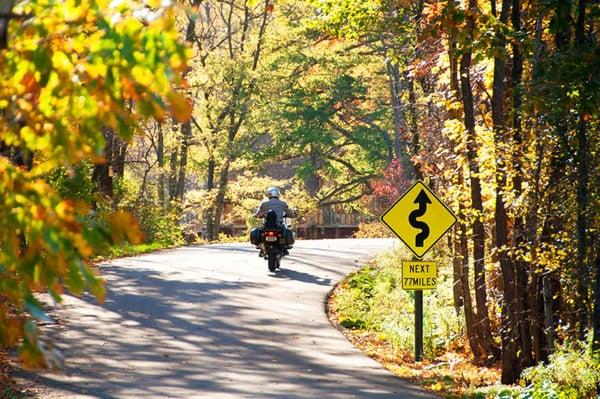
213 322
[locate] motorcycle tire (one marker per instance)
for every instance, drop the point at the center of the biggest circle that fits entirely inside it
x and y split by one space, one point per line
272 261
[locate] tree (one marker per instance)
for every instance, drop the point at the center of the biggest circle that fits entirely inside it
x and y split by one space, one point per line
478 236
229 39
328 122
527 104
70 71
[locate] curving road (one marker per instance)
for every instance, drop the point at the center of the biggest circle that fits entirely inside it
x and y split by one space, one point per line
212 322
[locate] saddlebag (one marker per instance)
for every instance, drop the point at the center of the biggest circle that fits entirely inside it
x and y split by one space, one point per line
290 239
255 236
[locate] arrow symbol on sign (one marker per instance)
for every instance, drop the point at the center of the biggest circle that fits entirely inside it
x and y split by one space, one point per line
422 199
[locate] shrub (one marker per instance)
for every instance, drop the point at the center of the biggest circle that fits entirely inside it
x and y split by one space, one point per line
159 225
494 392
372 230
354 303
74 183
570 373
369 300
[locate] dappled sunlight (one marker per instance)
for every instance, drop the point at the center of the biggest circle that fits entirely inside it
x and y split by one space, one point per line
218 330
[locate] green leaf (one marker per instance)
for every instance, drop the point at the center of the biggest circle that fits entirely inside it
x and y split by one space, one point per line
35 309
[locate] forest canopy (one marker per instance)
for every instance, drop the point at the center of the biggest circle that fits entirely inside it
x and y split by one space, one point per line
176 117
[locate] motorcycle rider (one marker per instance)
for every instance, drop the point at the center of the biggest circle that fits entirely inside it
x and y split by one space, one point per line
275 204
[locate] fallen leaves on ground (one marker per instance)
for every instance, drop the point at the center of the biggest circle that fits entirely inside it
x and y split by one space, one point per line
7 385
451 374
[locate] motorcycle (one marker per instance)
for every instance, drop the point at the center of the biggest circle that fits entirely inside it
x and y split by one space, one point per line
273 239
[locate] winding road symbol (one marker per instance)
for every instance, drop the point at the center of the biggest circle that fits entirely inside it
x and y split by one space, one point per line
419 218
422 199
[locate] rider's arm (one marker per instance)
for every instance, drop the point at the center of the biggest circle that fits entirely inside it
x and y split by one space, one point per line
260 212
289 212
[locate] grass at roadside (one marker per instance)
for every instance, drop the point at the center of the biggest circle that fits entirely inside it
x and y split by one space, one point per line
377 315
132 250
139 249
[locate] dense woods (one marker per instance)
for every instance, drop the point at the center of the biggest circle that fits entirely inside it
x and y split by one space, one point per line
343 104
497 104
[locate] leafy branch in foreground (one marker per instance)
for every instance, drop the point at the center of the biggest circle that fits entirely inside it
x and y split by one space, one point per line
70 70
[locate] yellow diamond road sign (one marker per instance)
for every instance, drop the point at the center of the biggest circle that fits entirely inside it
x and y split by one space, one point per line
419 218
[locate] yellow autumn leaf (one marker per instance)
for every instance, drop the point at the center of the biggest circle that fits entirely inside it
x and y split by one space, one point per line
96 70
142 75
61 62
124 226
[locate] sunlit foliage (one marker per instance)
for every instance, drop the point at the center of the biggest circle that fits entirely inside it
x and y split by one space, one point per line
69 70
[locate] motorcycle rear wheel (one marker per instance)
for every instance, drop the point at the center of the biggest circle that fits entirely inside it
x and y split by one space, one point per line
272 261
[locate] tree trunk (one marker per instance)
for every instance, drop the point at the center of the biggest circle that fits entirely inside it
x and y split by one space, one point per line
103 173
550 225
311 181
186 130
536 306
220 200
535 287
210 173
119 155
6 7
414 126
510 329
522 268
461 257
562 22
549 314
596 315
160 157
395 87
173 174
478 237
580 38
583 170
583 282
471 319
210 185
457 289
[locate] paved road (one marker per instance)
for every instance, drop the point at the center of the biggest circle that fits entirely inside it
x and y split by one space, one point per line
212 322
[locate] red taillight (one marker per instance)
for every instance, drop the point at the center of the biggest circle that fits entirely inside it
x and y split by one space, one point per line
271 233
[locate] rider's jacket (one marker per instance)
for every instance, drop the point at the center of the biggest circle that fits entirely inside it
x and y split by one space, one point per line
278 206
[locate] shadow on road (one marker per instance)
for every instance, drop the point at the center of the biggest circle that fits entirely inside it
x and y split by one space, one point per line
290 274
163 334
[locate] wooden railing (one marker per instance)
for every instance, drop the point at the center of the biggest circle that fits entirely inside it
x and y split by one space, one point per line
324 223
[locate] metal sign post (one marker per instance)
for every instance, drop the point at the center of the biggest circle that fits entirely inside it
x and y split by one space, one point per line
419 219
417 276
418 326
